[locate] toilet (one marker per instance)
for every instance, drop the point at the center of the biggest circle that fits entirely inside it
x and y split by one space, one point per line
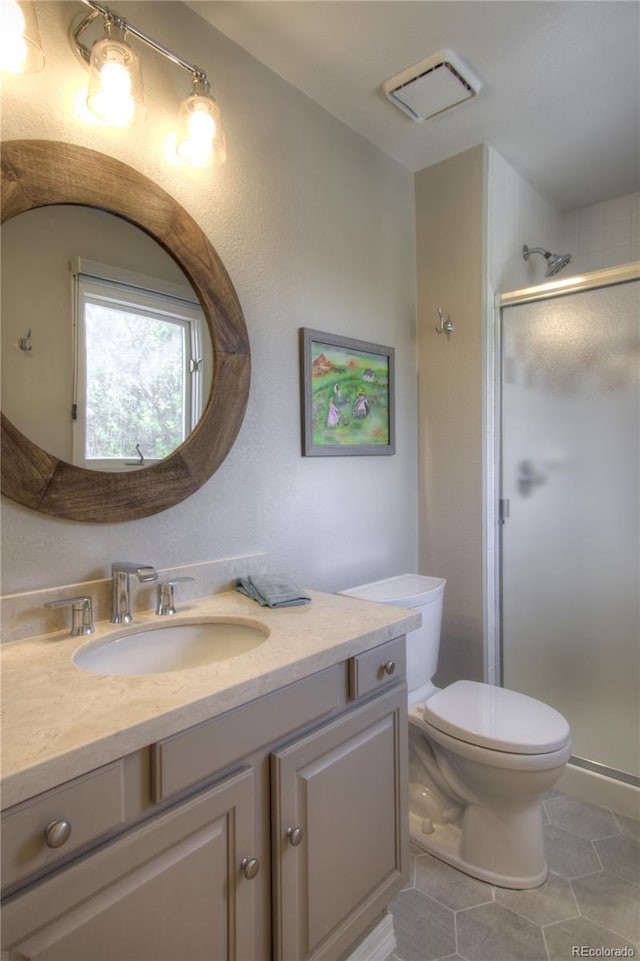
480 756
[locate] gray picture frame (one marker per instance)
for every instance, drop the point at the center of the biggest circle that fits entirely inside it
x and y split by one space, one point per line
348 396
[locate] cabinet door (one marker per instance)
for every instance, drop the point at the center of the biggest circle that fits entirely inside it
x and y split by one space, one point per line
340 829
172 889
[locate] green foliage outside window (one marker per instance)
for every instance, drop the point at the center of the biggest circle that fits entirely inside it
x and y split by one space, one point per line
135 369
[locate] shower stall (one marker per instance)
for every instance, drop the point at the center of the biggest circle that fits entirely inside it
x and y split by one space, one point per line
569 477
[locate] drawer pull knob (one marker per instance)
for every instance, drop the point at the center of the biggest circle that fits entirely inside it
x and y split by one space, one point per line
250 867
295 836
57 833
389 667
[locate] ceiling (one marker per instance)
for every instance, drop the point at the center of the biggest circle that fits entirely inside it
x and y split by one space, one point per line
560 96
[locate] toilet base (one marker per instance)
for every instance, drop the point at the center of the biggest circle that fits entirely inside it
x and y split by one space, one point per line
447 842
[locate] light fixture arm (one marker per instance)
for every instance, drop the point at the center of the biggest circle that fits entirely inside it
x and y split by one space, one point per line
115 94
113 18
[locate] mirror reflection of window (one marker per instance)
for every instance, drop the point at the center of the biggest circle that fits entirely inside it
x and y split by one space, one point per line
138 367
39 263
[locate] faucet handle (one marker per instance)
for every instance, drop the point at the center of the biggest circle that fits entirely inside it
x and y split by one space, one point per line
81 614
166 603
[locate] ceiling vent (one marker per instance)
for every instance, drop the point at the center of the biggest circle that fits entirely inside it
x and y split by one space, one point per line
432 86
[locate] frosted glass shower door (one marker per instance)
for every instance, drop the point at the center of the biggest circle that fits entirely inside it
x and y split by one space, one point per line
570 575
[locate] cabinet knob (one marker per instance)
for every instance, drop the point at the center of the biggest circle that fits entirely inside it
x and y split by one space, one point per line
295 836
389 667
249 867
57 833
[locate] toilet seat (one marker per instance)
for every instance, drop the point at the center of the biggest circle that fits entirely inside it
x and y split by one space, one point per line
496 718
485 755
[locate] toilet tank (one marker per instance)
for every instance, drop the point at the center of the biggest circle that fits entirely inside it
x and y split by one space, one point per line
423 594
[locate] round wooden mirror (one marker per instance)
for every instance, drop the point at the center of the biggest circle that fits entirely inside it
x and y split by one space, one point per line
41 173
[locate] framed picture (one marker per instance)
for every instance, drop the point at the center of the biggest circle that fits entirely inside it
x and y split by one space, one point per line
347 396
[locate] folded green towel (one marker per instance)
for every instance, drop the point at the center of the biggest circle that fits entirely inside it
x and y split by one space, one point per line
272 590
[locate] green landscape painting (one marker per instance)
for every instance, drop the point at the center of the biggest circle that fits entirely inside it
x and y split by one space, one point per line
349 396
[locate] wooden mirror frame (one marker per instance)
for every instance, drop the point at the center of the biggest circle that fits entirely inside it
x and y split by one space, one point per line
37 173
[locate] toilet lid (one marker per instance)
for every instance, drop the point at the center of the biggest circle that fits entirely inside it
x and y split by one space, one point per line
404 590
496 718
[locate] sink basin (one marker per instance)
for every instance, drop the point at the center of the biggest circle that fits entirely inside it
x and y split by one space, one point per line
177 647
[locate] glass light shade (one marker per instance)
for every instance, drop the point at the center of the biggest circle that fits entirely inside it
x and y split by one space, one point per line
20 44
200 140
115 93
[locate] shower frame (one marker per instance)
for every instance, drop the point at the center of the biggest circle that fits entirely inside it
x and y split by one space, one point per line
494 505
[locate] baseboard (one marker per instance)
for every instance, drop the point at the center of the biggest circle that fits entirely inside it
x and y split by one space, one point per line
378 945
593 787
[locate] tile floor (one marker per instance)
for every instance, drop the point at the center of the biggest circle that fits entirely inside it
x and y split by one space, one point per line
589 906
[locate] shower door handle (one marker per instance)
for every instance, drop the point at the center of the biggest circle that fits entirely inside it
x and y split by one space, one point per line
529 477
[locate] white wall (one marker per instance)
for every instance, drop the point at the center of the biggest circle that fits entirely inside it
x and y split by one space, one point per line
316 228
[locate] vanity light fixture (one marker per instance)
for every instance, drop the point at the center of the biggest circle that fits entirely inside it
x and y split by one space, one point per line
115 87
20 46
201 141
115 94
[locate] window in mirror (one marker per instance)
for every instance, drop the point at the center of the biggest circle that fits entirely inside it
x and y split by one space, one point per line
138 370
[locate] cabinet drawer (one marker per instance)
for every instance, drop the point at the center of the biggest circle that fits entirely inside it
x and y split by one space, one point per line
92 805
180 761
381 665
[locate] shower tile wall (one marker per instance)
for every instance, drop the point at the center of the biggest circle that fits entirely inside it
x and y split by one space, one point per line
602 235
517 214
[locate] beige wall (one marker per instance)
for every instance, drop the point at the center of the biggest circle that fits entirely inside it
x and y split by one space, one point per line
316 228
449 241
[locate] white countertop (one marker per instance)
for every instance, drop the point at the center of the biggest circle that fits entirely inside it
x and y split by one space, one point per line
59 721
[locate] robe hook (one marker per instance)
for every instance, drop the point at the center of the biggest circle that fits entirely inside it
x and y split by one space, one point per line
445 326
24 343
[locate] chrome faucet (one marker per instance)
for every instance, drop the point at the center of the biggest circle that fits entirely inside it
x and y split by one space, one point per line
121 572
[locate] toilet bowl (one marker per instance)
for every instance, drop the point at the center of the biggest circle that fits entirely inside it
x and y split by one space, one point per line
480 756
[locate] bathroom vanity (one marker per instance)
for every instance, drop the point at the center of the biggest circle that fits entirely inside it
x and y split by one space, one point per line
253 809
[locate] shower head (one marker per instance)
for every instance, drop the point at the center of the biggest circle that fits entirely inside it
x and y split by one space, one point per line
555 262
